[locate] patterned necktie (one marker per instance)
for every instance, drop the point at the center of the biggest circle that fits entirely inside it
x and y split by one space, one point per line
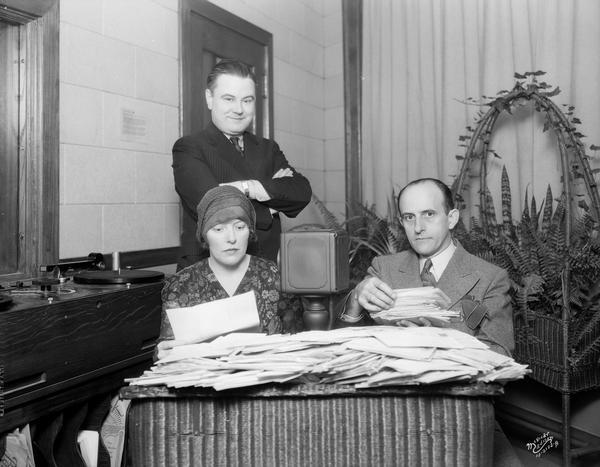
236 143
426 275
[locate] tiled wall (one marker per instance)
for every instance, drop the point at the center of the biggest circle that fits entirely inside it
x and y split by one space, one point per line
119 63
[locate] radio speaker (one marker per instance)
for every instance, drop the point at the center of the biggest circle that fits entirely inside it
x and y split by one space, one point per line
314 260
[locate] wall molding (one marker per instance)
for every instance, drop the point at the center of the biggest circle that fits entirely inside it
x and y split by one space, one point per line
352 52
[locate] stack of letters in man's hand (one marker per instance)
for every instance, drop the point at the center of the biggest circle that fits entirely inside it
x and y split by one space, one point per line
363 356
419 302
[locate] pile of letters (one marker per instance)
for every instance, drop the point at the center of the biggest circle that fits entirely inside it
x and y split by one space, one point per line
362 356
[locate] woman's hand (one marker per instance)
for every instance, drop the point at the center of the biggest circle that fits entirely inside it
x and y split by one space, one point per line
163 348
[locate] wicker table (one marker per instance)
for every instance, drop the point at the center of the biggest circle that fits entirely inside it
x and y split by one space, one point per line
312 425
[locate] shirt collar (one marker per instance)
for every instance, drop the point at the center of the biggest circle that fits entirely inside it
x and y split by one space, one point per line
239 137
439 261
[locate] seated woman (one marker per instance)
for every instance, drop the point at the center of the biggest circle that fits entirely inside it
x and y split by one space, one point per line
226 223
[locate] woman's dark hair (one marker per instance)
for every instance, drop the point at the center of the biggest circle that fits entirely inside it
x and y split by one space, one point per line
229 67
448 200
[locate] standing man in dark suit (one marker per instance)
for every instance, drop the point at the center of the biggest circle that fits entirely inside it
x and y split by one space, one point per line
226 153
476 288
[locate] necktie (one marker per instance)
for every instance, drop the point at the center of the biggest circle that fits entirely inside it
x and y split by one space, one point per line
236 143
426 275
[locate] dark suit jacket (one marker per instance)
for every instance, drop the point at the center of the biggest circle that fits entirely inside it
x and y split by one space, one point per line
205 159
478 289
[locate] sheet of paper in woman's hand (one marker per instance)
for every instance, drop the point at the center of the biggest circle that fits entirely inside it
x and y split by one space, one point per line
208 320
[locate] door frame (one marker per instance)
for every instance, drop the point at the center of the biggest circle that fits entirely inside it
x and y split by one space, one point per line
241 26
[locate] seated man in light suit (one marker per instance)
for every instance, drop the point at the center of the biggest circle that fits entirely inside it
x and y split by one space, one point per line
478 289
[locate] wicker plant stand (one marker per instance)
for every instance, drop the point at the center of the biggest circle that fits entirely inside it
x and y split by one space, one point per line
543 342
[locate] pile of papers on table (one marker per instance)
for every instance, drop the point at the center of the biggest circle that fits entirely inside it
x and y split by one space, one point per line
363 356
419 302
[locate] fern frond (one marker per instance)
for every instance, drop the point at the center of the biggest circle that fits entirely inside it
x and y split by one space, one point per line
547 216
330 220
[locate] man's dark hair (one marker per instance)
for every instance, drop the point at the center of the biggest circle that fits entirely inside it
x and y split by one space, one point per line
229 67
448 200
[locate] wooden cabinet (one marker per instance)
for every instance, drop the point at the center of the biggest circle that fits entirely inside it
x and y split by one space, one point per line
81 345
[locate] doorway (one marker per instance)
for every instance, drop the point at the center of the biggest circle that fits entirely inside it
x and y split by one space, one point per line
208 34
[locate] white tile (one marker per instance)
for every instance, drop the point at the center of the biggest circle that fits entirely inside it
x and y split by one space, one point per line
61 175
172 129
334 123
335 186
156 77
80 230
293 148
315 149
118 61
316 90
170 4
314 26
80 115
172 225
284 107
129 227
287 80
154 179
84 13
308 120
332 7
315 177
301 115
333 94
247 12
335 158
317 5
281 43
133 124
334 60
316 128
98 175
143 23
332 26
337 209
266 7
306 54
79 52
291 13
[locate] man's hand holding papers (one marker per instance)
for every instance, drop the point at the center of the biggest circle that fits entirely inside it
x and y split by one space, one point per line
419 306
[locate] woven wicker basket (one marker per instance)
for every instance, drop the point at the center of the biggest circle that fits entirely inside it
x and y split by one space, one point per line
542 342
540 345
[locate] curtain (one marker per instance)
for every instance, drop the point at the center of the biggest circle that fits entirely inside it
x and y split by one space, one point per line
422 60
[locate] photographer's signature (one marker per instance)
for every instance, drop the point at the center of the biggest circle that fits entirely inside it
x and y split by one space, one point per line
542 444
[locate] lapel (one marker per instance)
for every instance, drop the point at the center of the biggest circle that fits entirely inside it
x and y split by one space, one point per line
408 271
459 277
252 154
222 149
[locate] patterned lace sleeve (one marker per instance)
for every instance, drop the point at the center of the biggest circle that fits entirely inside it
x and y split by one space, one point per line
168 296
267 291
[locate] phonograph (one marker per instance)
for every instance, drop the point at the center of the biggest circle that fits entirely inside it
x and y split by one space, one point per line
72 279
